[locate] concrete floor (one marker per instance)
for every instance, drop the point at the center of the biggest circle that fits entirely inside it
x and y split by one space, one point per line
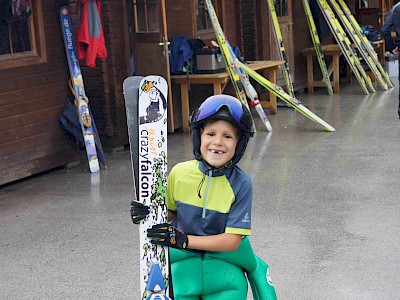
326 212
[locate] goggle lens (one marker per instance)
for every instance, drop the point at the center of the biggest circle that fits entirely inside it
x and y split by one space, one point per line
214 104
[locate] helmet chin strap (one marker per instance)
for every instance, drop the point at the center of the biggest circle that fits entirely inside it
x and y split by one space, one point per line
228 165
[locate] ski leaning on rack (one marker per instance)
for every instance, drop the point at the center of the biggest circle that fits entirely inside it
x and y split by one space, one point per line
231 60
81 101
279 92
281 47
317 46
361 49
346 47
365 42
146 111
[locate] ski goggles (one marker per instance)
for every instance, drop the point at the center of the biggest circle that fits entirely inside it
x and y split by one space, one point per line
214 103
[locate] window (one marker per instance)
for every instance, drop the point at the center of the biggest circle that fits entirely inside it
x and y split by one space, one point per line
202 18
146 16
281 7
21 37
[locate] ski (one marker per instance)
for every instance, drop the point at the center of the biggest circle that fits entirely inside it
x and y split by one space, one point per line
249 89
279 92
239 82
146 111
81 101
357 41
346 47
365 42
317 46
281 47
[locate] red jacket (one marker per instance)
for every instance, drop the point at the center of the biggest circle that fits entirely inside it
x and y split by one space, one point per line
90 37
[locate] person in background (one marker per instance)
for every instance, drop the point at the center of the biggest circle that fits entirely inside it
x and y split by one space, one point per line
392 23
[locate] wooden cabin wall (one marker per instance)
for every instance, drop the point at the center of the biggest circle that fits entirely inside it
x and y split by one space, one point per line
180 21
32 98
112 72
301 40
31 101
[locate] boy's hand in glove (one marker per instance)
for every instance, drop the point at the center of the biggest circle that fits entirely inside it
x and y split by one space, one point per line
139 211
167 235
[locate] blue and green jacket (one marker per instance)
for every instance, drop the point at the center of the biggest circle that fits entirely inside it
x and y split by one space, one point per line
209 202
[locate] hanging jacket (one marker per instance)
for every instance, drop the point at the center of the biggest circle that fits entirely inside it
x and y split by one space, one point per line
90 37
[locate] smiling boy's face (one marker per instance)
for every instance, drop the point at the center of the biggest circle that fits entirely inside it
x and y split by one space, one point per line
218 142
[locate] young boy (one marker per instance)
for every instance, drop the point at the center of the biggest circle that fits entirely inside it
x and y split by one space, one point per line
209 208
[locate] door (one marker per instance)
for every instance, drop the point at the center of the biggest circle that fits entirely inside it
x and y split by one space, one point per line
283 9
149 44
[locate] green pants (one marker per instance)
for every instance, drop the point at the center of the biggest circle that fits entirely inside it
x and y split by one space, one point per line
196 276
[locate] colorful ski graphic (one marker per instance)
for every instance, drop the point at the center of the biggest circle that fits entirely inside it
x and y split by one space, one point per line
81 100
147 128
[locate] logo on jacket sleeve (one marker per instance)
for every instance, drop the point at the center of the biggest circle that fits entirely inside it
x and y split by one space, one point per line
246 218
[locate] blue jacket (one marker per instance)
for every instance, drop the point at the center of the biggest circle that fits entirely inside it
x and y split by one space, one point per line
392 22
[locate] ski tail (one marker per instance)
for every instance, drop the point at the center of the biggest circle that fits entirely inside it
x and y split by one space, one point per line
131 95
279 92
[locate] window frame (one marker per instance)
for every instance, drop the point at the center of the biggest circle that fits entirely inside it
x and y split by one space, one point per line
38 54
209 32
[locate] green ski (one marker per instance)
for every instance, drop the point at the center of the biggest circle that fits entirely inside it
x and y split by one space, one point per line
279 92
317 46
367 45
347 49
281 47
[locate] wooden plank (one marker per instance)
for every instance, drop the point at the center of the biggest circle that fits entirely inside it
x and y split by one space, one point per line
30 106
20 120
36 166
19 158
34 141
33 129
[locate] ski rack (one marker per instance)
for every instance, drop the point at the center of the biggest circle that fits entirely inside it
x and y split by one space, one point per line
240 83
357 41
281 47
365 42
317 46
347 49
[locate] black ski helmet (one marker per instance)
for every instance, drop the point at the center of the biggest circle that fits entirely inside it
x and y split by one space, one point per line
222 107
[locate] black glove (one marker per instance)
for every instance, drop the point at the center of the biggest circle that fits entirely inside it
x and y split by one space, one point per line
139 211
167 235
